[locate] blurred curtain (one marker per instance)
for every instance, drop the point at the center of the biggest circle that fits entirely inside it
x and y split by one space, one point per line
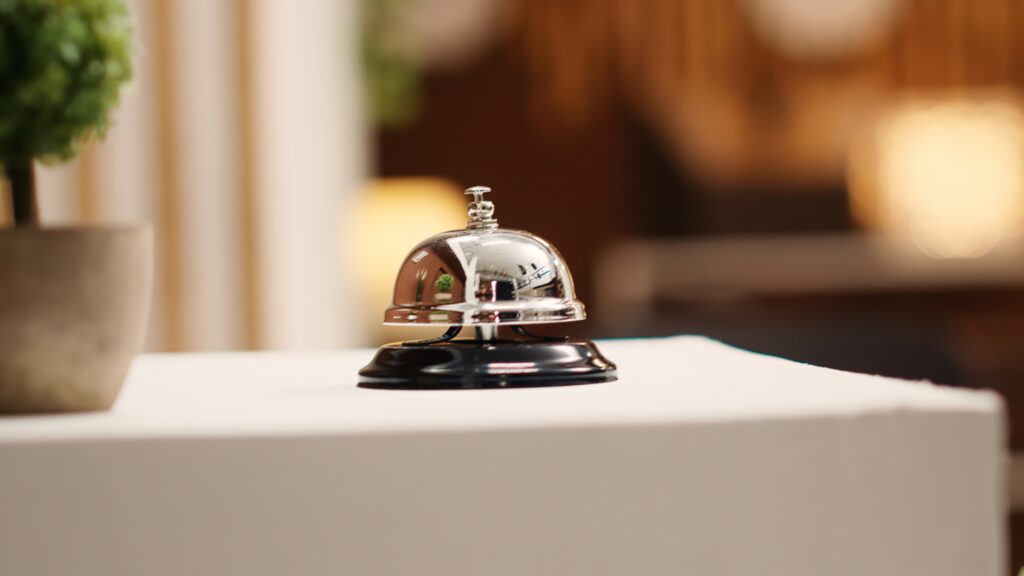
242 143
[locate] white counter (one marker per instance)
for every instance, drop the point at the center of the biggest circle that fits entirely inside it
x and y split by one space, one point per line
701 459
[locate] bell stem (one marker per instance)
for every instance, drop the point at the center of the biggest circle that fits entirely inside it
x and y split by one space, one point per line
486 332
22 179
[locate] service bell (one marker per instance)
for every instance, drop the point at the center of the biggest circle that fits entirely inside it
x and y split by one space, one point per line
496 281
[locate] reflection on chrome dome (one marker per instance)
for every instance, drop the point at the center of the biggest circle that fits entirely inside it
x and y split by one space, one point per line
483 275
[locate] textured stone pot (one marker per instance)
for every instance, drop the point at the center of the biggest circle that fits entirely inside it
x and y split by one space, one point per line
73 309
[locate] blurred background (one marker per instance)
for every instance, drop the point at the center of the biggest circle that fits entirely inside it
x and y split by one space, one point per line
840 182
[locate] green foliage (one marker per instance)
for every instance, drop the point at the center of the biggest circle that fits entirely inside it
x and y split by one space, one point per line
62 66
444 282
391 78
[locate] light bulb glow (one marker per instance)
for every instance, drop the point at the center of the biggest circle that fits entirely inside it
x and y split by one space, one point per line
946 174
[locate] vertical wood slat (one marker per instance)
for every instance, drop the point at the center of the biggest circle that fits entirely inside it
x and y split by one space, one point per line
167 207
5 204
247 134
85 183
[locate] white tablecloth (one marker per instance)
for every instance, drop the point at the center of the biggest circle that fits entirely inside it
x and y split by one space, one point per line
702 459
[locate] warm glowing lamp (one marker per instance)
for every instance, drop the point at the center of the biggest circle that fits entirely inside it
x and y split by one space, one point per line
945 173
392 215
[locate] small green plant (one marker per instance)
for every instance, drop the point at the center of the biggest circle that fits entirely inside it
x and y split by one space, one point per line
444 282
391 75
62 66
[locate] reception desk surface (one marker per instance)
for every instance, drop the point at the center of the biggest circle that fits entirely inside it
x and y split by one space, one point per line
701 459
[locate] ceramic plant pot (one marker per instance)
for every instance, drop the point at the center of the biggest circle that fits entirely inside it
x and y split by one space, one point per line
73 309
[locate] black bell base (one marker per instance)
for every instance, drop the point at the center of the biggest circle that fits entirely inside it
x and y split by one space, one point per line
472 364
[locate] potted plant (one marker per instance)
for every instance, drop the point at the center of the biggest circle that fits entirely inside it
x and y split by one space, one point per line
73 301
443 287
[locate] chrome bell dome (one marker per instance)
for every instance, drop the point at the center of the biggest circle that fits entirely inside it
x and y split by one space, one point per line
483 275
